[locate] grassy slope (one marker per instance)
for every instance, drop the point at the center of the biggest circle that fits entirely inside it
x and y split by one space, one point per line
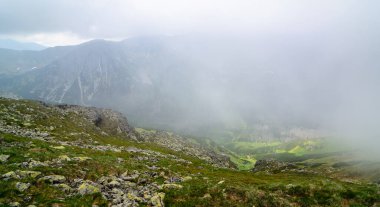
238 189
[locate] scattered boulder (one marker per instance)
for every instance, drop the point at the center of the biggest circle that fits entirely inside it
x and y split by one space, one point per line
272 166
87 188
33 163
4 158
22 186
53 179
81 159
14 204
64 158
207 196
28 173
58 147
10 175
63 187
172 186
187 178
158 199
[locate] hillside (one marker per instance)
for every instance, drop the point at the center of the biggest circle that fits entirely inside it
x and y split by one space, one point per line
63 155
173 82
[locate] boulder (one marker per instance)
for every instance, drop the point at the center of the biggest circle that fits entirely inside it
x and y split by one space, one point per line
87 188
28 173
22 186
10 175
158 199
172 186
272 166
53 179
4 158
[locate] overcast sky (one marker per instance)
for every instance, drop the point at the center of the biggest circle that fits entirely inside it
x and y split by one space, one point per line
61 22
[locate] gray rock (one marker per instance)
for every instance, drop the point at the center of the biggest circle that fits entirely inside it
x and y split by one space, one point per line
22 186
158 199
10 175
14 204
87 188
27 173
54 179
4 158
172 186
63 187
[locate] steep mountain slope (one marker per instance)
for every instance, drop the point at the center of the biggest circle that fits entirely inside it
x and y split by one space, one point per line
71 155
14 62
171 83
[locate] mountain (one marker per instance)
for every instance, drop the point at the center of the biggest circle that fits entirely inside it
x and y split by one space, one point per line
68 155
257 88
16 45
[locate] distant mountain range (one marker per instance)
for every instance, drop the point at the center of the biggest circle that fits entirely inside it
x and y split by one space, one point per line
16 45
178 83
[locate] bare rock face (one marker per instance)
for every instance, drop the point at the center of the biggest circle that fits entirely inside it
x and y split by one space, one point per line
107 120
272 166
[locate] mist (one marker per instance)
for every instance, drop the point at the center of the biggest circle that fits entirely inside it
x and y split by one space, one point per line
241 65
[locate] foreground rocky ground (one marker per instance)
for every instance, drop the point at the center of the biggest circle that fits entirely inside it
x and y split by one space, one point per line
77 156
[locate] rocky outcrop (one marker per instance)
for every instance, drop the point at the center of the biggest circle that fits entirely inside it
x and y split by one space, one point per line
107 120
272 166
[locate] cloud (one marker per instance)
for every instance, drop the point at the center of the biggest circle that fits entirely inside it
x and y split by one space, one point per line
88 19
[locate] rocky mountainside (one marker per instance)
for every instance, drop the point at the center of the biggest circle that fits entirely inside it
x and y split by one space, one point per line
70 155
172 83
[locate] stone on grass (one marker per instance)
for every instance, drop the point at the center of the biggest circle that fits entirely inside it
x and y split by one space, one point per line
63 187
172 186
22 186
4 158
81 159
87 188
158 199
54 179
10 175
28 173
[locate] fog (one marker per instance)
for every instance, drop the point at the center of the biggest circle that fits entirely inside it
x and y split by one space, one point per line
290 63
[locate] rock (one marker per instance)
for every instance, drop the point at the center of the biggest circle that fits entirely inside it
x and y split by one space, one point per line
32 206
63 187
4 158
64 158
58 147
158 199
131 177
10 175
81 159
113 184
220 182
133 197
31 174
207 196
172 186
54 179
14 204
22 186
87 188
34 163
272 166
187 178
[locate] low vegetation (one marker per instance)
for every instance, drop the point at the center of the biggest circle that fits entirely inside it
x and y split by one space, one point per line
52 157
